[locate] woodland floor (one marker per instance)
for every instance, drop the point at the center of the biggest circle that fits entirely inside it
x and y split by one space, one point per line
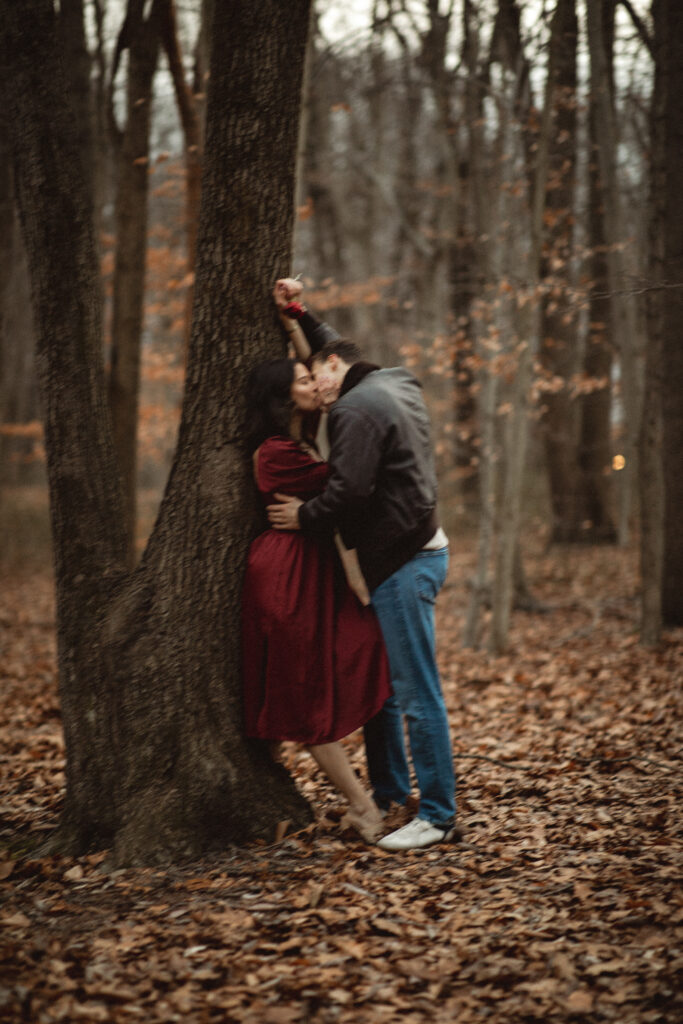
562 903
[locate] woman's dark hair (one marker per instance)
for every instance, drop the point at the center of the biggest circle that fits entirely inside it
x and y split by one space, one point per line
269 401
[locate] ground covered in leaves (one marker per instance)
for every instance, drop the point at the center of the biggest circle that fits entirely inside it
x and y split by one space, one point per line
562 902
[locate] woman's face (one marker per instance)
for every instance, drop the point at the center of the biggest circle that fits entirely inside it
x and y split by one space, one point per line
304 390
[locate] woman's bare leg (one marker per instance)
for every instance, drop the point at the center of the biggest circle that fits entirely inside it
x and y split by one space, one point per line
364 814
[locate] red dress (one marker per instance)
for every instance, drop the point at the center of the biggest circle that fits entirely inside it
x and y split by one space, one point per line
314 663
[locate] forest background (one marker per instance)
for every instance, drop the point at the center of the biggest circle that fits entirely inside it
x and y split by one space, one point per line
486 192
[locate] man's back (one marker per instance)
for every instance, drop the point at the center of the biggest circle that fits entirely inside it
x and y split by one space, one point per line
382 481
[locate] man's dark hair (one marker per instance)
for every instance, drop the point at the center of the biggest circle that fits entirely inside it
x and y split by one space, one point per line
342 347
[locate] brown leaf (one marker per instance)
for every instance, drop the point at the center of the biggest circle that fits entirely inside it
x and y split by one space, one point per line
580 1001
281 830
182 998
17 920
315 894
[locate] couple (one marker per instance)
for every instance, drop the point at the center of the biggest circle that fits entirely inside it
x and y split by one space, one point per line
315 667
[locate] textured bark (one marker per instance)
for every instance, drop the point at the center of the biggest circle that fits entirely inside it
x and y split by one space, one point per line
517 429
650 456
558 352
149 661
595 447
18 390
77 65
141 36
600 25
668 17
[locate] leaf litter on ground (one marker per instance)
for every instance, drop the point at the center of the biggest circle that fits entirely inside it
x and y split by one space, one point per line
561 903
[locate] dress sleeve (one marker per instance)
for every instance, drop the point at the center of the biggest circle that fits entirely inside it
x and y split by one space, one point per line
283 467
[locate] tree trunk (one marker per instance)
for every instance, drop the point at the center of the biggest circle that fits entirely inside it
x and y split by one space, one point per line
668 17
595 445
650 456
517 431
142 40
558 351
600 24
192 133
18 391
77 65
149 661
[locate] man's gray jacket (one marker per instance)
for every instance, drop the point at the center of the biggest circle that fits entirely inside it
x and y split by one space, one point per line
381 492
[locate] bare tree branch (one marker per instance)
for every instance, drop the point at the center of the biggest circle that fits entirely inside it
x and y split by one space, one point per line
640 25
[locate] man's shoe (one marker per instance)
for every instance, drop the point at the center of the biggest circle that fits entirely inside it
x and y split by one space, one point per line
416 834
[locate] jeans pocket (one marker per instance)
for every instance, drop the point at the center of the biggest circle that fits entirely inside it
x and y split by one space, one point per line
430 574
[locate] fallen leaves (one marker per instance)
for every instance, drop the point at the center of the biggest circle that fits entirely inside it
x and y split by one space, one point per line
561 905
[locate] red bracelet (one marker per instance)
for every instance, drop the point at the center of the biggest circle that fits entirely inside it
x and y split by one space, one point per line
294 310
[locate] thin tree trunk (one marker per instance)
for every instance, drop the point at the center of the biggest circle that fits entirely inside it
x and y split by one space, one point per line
652 489
558 351
599 15
192 134
651 454
481 589
518 426
142 40
149 661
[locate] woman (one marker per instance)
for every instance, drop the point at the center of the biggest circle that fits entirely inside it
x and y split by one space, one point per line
315 668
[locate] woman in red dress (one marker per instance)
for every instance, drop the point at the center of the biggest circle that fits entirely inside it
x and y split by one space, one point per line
314 663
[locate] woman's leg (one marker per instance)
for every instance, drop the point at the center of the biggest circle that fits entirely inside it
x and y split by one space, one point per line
364 814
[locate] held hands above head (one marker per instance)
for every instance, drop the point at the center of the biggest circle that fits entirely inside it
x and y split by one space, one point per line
285 515
286 290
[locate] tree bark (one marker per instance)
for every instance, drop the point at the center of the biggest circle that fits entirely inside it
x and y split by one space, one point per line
18 390
77 64
141 37
517 430
650 456
192 133
558 352
149 661
668 18
600 24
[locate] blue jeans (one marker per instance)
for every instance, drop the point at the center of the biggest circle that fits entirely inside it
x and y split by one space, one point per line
404 604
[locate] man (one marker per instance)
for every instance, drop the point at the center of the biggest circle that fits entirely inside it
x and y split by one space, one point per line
381 495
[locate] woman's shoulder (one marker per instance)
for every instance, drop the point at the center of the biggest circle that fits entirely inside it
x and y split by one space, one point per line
278 443
281 452
279 447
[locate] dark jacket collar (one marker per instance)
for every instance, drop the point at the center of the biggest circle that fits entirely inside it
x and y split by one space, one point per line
355 374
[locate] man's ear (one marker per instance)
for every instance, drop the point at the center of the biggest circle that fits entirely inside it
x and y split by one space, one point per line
333 361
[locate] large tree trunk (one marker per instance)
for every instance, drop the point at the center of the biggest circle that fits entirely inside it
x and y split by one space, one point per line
668 17
149 661
141 37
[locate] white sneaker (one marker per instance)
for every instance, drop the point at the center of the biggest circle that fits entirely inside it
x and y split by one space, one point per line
416 834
